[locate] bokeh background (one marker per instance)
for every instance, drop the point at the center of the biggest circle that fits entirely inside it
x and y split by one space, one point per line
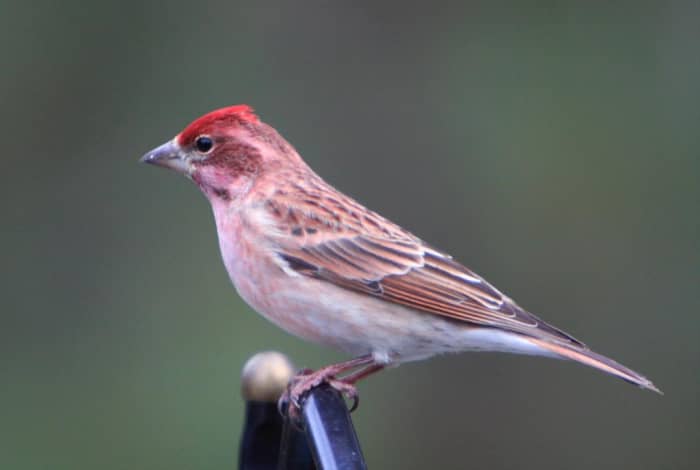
552 148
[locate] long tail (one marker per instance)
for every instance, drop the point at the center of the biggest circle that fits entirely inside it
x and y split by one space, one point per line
598 361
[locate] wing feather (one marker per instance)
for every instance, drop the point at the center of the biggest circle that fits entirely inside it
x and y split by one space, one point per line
364 252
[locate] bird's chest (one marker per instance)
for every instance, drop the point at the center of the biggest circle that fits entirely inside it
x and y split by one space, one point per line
246 256
249 256
313 309
302 306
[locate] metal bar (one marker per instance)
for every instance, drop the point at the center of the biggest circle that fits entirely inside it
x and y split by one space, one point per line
330 432
260 443
294 451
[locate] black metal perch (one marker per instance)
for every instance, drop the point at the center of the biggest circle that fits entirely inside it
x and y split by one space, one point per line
329 430
326 439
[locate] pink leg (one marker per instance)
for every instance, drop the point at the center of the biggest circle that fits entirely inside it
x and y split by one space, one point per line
306 380
356 376
362 373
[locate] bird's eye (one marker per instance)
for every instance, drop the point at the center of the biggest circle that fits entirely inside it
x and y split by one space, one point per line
203 144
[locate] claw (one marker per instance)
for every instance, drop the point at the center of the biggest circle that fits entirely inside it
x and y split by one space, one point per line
305 380
283 403
348 390
355 402
290 409
303 383
289 404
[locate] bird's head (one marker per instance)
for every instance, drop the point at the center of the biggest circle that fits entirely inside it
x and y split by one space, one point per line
223 151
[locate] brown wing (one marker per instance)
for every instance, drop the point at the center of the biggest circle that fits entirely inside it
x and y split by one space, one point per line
335 239
418 277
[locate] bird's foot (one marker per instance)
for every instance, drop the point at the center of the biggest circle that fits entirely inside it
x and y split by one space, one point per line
305 381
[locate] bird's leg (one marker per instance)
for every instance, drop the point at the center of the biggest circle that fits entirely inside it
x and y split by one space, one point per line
303 382
362 373
351 379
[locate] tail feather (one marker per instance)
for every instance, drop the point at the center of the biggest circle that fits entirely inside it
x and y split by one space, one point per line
598 361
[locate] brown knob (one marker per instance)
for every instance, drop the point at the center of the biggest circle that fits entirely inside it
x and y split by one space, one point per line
265 376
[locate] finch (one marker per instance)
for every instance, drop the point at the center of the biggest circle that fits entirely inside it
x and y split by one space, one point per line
325 268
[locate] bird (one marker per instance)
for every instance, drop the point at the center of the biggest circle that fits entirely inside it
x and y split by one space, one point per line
325 268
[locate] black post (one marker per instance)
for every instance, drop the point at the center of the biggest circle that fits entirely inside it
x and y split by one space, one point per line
325 439
264 378
260 443
330 432
294 452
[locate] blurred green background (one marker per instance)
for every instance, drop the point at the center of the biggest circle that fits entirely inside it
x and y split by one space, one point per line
554 149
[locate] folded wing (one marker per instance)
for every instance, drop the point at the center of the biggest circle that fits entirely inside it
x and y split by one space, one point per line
404 270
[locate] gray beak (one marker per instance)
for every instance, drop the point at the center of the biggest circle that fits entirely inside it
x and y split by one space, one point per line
168 155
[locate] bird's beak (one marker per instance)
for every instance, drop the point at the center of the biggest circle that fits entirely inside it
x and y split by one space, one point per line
168 155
